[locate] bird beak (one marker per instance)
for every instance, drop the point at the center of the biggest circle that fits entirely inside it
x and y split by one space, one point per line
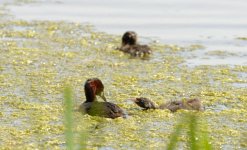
102 95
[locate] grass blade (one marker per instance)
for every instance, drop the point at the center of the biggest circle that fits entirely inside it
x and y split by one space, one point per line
174 137
68 122
192 131
205 142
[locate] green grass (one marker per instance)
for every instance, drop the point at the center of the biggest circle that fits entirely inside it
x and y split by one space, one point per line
192 132
205 142
197 139
68 116
174 137
73 140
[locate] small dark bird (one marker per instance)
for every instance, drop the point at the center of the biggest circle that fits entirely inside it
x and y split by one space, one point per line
144 103
94 87
130 45
190 104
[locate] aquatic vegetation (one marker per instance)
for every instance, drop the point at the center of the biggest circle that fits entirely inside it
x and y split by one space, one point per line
220 53
38 58
242 38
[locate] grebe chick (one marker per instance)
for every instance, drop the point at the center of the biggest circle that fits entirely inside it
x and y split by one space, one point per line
129 45
94 87
190 104
144 103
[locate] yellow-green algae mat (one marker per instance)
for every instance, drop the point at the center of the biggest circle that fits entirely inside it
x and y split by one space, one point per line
39 58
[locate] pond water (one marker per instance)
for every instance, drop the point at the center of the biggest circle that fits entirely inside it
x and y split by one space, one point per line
199 52
216 25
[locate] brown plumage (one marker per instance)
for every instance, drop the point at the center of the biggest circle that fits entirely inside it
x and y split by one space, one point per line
190 104
129 45
91 106
144 103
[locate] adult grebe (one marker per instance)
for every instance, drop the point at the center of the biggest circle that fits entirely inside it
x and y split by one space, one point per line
94 87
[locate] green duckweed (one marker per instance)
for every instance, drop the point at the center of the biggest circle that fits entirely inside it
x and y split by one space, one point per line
38 58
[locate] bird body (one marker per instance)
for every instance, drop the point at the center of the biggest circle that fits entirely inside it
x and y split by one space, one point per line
173 106
129 45
94 87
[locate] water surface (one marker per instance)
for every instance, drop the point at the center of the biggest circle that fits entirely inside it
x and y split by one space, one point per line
214 24
198 56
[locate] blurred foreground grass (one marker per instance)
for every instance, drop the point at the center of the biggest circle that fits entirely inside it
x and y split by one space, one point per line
197 137
71 141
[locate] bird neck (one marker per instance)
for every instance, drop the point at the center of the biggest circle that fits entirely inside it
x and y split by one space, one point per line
90 96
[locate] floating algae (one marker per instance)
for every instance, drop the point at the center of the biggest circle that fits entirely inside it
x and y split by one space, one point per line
39 57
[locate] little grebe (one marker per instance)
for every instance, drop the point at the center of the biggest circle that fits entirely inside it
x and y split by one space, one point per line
190 104
144 103
91 106
129 45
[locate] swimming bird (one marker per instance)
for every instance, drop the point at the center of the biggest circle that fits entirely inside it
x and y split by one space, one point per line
173 106
130 45
94 87
144 103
